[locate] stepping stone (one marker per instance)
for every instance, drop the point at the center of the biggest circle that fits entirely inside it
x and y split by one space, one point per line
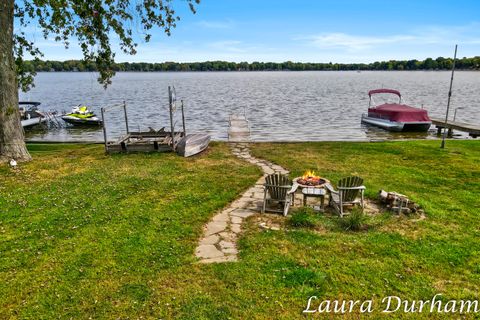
228 236
229 209
251 190
221 217
257 195
258 188
226 244
208 251
236 219
243 203
230 251
215 227
255 206
236 228
230 258
242 213
210 239
268 171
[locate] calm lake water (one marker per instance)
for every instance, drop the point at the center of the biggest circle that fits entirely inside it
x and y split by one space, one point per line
281 106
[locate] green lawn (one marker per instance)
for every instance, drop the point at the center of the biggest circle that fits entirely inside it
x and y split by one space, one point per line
85 235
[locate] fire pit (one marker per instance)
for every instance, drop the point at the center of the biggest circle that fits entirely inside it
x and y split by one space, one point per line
309 179
312 185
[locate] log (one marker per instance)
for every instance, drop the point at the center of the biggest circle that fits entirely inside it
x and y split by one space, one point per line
398 202
403 210
382 195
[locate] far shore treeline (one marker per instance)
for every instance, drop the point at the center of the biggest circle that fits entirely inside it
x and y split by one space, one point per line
427 64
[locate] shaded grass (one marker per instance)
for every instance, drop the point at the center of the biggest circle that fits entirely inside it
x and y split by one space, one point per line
83 232
87 235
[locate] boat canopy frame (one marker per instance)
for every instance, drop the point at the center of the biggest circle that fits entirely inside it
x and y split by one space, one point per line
371 93
148 141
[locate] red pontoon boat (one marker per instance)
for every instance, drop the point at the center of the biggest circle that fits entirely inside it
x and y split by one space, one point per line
395 116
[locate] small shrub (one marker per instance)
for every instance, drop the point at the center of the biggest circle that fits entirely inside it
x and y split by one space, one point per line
303 218
301 276
354 221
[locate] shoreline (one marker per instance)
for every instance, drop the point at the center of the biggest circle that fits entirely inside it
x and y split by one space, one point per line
274 141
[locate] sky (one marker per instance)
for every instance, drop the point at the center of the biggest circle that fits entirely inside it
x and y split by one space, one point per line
338 31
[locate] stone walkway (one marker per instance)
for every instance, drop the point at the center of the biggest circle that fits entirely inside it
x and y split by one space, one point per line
219 242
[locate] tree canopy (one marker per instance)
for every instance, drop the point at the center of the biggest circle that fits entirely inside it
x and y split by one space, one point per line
92 23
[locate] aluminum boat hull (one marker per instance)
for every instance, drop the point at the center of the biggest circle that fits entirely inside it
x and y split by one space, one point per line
193 144
33 121
420 126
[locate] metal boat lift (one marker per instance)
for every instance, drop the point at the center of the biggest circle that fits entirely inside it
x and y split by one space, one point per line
147 141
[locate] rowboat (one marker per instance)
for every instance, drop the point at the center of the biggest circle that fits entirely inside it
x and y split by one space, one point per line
192 144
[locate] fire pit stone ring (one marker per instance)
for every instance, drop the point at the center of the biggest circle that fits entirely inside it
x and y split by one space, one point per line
316 188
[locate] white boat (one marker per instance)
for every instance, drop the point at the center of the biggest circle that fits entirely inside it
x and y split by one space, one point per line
192 144
29 114
396 116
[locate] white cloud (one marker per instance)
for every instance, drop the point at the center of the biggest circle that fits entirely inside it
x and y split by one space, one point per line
427 35
228 45
352 42
226 24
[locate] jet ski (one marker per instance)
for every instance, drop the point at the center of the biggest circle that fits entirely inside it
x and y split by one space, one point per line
82 116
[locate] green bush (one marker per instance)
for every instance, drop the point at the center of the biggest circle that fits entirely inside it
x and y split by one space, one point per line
353 221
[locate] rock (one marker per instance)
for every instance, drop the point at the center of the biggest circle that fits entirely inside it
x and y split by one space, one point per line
208 251
242 213
221 217
230 251
215 227
228 236
236 228
212 239
230 258
226 244
236 219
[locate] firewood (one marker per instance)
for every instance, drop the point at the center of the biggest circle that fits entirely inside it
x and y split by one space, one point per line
398 202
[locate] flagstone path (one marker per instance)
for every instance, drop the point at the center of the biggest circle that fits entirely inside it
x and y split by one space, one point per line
219 241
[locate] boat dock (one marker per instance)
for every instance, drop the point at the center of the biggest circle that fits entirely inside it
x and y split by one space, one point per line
239 130
472 130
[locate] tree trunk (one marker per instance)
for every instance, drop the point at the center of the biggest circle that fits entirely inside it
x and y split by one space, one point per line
12 142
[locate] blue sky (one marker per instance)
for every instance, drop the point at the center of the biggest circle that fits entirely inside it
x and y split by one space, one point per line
307 31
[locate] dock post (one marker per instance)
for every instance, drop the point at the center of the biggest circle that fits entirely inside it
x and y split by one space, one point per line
183 120
449 96
126 118
104 129
170 106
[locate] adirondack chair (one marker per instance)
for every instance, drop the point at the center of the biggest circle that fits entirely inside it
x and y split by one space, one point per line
347 193
279 189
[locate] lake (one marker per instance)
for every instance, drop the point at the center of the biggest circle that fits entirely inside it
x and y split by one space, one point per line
280 106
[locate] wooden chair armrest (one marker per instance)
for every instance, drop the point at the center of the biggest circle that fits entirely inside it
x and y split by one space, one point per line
352 188
293 188
330 188
272 185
